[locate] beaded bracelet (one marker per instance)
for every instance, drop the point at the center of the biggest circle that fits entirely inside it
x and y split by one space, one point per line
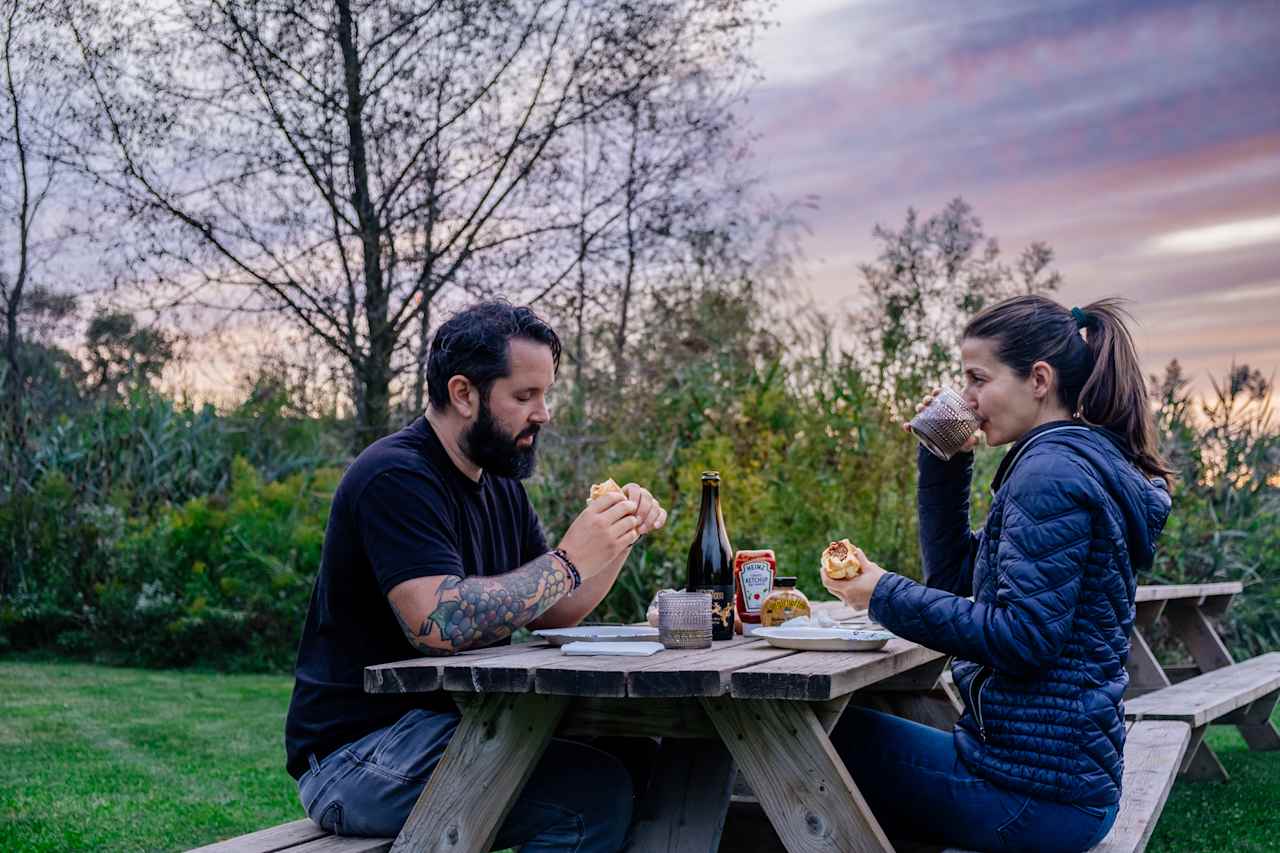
568 564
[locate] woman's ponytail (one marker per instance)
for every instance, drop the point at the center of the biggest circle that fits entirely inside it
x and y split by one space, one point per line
1099 378
1115 394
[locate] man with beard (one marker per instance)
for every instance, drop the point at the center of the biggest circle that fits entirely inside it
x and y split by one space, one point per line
431 540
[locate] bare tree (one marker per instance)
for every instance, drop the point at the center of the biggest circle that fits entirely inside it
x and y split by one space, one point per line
930 277
667 194
30 100
350 162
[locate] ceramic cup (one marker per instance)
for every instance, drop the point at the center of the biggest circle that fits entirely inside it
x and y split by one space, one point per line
684 620
945 424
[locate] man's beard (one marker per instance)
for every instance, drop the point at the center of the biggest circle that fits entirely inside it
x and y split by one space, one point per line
492 449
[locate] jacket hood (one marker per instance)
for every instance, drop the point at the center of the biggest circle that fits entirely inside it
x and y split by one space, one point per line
1144 502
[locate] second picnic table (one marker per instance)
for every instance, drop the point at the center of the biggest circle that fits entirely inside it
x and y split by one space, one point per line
1187 611
743 703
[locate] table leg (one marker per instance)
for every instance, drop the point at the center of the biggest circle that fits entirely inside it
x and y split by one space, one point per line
500 739
1192 626
1200 764
1254 722
795 772
1147 612
1216 605
1145 673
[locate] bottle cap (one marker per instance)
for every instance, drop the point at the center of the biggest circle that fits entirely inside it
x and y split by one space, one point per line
784 581
711 475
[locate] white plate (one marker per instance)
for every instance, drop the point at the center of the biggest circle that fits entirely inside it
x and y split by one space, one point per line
825 639
626 648
598 634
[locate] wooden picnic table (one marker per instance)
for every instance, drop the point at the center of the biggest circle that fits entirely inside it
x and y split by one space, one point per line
1187 611
742 705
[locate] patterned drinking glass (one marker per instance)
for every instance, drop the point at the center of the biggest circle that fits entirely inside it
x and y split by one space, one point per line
684 620
945 424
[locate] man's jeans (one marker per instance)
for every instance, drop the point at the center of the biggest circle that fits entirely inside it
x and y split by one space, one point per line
920 790
577 799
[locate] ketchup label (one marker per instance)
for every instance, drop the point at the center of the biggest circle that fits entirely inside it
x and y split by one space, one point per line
756 578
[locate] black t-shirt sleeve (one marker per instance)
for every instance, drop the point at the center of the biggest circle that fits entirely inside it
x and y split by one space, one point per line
406 527
535 538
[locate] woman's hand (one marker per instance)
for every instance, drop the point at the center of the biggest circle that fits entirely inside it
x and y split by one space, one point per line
856 591
924 404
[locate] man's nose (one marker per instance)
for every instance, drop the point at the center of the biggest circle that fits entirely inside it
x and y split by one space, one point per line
541 413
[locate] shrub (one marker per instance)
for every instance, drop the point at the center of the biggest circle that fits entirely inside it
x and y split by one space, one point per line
220 580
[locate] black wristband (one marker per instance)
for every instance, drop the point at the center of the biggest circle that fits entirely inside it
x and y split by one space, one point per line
568 564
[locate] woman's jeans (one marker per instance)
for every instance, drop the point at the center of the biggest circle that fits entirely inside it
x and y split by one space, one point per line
577 799
920 790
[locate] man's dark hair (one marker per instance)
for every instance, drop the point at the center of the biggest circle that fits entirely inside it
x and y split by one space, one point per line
473 343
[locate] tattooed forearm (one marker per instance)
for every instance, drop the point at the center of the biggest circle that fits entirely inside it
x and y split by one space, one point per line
479 611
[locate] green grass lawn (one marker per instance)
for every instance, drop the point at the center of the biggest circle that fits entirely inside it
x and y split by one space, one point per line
97 758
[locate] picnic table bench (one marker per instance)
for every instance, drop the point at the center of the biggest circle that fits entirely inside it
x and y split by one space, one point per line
298 836
1243 694
1213 690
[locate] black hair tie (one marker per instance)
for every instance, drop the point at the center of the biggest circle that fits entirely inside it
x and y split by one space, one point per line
1081 317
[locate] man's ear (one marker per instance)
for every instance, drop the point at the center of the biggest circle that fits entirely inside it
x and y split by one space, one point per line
1043 378
463 396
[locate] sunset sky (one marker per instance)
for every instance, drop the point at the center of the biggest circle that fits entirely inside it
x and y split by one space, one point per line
1140 139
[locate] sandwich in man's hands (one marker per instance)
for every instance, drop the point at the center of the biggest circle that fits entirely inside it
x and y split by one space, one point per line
603 489
840 562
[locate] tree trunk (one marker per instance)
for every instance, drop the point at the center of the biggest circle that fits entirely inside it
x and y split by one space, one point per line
13 296
620 361
375 414
424 349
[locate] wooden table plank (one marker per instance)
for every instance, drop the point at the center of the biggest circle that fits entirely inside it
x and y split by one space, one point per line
1157 592
424 674
669 673
746 666
826 675
708 677
406 676
499 674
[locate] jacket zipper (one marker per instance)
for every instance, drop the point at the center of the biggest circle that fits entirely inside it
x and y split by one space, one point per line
976 703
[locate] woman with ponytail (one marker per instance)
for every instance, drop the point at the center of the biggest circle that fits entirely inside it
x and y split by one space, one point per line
1036 607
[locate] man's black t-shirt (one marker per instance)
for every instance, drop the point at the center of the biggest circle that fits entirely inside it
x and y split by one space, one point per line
403 510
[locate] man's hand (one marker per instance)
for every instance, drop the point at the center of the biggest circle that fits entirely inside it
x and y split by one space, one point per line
602 533
856 591
649 512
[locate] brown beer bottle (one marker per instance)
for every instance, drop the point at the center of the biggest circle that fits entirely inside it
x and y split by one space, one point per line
711 559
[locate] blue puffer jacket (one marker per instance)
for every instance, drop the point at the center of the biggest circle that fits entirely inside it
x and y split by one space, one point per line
1040 650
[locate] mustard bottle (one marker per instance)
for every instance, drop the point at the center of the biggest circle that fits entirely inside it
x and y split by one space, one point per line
785 602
